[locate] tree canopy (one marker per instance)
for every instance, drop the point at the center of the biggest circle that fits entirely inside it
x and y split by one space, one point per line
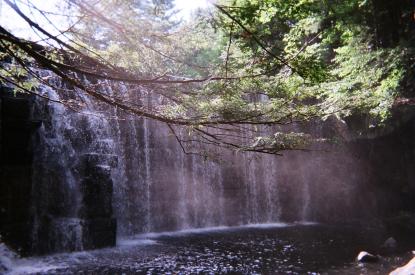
230 71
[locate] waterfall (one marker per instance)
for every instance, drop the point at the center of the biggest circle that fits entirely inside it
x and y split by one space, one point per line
102 164
183 191
195 203
121 210
306 199
148 175
252 183
71 187
56 155
271 189
155 185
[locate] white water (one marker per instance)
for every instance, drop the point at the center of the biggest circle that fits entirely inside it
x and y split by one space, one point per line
12 264
213 229
156 187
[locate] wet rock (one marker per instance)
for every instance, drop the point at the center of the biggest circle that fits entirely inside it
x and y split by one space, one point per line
16 158
98 233
402 227
96 191
390 243
366 257
407 269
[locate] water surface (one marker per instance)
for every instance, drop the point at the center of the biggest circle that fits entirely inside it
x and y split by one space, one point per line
251 249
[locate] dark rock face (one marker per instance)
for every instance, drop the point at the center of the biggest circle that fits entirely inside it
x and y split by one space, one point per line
391 158
72 181
56 191
99 228
98 233
16 129
96 190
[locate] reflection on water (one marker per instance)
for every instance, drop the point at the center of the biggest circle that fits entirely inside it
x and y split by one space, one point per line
252 249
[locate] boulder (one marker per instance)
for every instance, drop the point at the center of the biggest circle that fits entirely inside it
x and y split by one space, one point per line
366 257
390 243
407 269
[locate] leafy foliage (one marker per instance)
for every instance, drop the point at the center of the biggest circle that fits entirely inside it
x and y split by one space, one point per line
330 53
253 63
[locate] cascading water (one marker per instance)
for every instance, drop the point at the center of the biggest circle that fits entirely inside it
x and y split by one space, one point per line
74 151
271 188
53 175
174 191
148 179
104 157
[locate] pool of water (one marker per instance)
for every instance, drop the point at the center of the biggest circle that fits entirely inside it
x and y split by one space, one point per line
252 249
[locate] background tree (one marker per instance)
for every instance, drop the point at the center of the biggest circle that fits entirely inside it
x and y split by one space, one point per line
225 76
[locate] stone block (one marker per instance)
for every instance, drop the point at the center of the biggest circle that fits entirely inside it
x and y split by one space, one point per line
63 234
98 233
96 191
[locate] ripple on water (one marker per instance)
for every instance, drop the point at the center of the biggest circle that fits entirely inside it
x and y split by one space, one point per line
288 249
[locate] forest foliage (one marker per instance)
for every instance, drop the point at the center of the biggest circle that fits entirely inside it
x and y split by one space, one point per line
243 62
